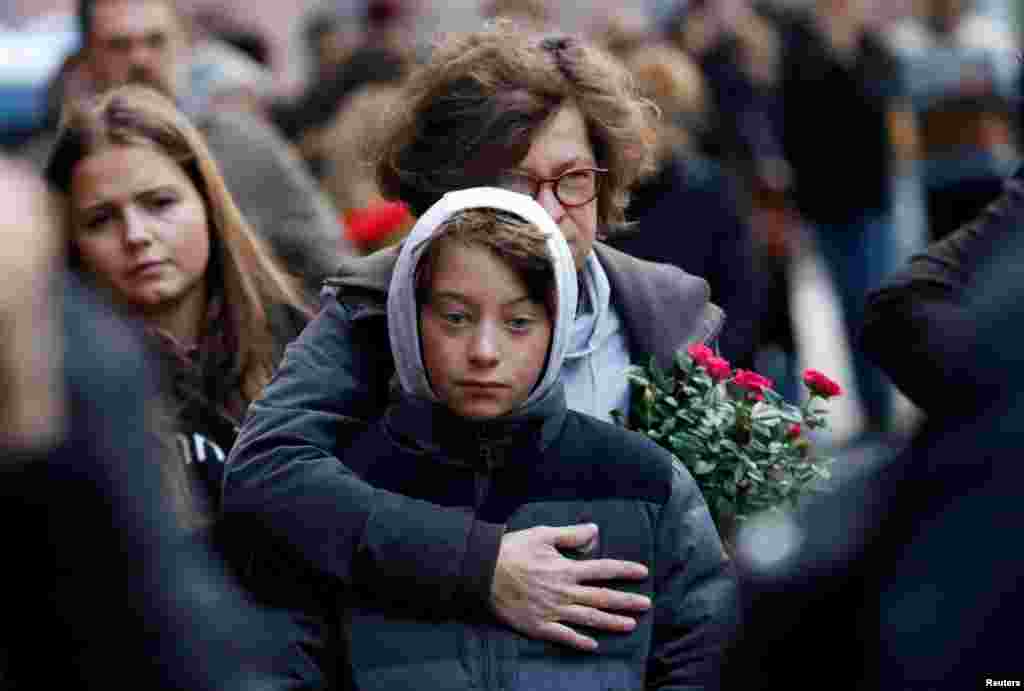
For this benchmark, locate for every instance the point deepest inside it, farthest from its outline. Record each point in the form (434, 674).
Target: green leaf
(685, 441)
(791, 415)
(660, 378)
(703, 468)
(637, 376)
(730, 445)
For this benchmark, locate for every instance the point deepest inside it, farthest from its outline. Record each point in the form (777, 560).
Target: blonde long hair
(242, 270)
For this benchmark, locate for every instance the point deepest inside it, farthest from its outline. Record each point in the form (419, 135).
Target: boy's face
(484, 340)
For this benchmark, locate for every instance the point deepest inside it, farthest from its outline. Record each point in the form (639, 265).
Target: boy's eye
(520, 323)
(455, 318)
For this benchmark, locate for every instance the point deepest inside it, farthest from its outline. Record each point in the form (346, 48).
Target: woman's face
(562, 145)
(484, 340)
(140, 227)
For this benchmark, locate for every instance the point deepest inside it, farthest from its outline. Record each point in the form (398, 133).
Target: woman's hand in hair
(543, 594)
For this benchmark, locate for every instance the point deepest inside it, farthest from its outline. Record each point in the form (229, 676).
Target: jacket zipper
(483, 484)
(483, 475)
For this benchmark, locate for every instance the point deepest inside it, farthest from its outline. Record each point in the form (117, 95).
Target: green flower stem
(710, 396)
(805, 409)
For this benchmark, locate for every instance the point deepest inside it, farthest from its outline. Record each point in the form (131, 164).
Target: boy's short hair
(516, 242)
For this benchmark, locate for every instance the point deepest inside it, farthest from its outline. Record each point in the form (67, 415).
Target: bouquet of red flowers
(744, 445)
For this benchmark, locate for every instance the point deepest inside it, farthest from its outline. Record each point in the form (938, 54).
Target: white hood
(403, 317)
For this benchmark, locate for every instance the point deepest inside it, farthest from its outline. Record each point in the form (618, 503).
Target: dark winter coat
(547, 466)
(102, 589)
(908, 322)
(289, 462)
(202, 399)
(907, 576)
(688, 215)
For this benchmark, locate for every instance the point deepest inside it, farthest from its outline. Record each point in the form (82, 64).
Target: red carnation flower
(701, 354)
(718, 368)
(821, 385)
(753, 382)
(794, 431)
(374, 223)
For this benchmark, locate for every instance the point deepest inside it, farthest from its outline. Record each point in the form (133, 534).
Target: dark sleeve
(108, 581)
(916, 327)
(695, 598)
(306, 608)
(286, 477)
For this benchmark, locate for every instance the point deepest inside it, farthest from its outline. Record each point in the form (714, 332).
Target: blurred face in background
(140, 228)
(137, 41)
(31, 400)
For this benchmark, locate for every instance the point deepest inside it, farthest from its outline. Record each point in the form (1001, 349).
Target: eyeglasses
(572, 188)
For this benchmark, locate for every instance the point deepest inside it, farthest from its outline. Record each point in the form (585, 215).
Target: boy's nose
(484, 350)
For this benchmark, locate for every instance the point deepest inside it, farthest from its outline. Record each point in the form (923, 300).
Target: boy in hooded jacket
(480, 311)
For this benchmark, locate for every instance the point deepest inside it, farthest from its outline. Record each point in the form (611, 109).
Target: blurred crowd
(751, 97)
(853, 133)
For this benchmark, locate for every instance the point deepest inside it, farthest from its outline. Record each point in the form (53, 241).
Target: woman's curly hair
(473, 109)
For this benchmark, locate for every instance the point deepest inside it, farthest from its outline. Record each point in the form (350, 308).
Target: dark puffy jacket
(287, 476)
(552, 467)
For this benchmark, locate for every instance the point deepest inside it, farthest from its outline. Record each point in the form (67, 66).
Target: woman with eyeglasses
(557, 119)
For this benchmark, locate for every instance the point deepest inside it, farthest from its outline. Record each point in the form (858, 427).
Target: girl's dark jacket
(288, 477)
(547, 466)
(202, 399)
